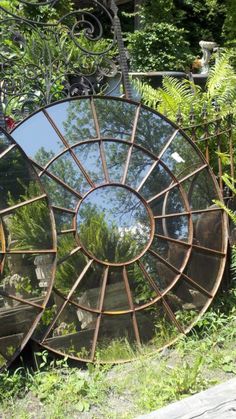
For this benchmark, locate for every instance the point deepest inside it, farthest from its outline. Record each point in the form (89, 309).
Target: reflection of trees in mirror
(65, 170)
(115, 228)
(30, 225)
(68, 271)
(104, 240)
(78, 123)
(16, 178)
(141, 290)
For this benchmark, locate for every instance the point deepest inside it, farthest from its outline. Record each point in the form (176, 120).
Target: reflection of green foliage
(15, 179)
(78, 125)
(10, 350)
(48, 315)
(24, 284)
(105, 241)
(63, 169)
(68, 329)
(66, 271)
(30, 224)
(140, 289)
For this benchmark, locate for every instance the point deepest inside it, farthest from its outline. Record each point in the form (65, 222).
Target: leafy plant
(159, 46)
(185, 96)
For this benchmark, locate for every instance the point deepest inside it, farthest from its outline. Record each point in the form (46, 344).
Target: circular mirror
(113, 225)
(141, 246)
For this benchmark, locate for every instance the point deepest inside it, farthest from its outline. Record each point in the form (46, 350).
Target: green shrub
(159, 46)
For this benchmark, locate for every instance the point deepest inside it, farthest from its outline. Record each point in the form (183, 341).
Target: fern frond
(230, 182)
(178, 89)
(148, 94)
(228, 211)
(219, 76)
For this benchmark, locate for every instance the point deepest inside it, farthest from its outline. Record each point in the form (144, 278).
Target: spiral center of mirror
(113, 224)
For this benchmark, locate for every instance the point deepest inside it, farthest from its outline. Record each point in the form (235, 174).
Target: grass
(205, 357)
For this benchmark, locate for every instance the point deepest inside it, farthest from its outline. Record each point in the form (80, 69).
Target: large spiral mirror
(27, 249)
(141, 245)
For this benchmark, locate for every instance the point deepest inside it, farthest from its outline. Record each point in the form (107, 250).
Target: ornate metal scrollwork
(41, 62)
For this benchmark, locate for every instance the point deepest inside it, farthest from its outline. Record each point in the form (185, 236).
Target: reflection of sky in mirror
(115, 118)
(89, 156)
(36, 133)
(74, 119)
(152, 131)
(181, 157)
(121, 208)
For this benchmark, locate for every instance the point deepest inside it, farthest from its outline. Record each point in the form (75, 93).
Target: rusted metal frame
(198, 287)
(62, 209)
(131, 142)
(104, 163)
(187, 244)
(199, 125)
(72, 252)
(25, 339)
(2, 240)
(3, 154)
(88, 141)
(56, 178)
(147, 175)
(100, 142)
(177, 183)
(168, 264)
(170, 239)
(79, 279)
(171, 139)
(220, 170)
(70, 230)
(62, 307)
(21, 204)
(206, 138)
(179, 214)
(208, 250)
(95, 117)
(110, 312)
(231, 147)
(28, 252)
(166, 306)
(73, 155)
(99, 317)
(132, 308)
(158, 160)
(180, 273)
(20, 300)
